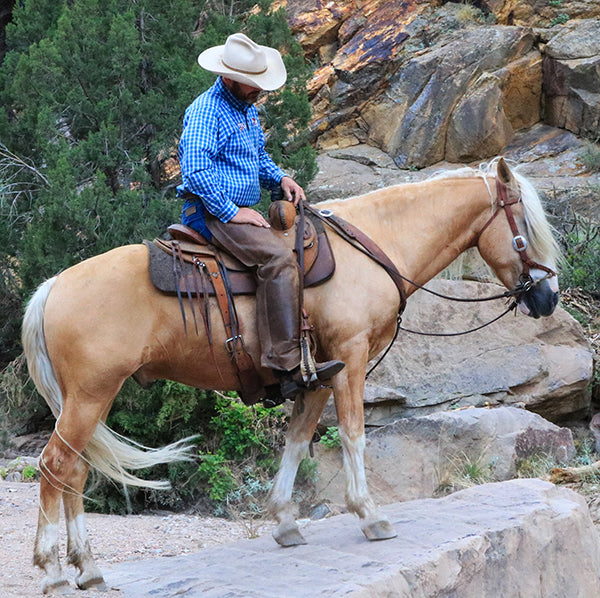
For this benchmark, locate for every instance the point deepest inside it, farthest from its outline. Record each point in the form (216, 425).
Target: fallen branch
(565, 475)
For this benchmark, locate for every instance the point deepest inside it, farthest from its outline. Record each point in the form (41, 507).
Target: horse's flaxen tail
(107, 452)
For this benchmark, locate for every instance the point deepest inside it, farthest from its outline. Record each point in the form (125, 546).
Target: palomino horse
(88, 329)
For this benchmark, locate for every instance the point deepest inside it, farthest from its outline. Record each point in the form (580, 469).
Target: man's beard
(249, 98)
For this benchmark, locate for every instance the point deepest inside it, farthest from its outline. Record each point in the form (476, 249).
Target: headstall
(519, 242)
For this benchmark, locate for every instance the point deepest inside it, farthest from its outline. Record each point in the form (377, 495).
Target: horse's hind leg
(300, 432)
(58, 462)
(78, 547)
(45, 554)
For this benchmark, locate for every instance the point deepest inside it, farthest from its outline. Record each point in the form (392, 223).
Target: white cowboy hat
(240, 59)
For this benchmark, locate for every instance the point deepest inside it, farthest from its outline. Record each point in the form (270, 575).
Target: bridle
(519, 242)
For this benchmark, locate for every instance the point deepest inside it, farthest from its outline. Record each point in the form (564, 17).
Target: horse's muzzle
(540, 300)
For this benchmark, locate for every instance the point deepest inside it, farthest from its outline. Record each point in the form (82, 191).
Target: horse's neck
(422, 227)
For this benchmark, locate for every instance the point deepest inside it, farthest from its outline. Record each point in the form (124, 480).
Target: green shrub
(29, 472)
(464, 471)
(331, 438)
(155, 417)
(20, 404)
(239, 459)
(580, 266)
(561, 19)
(219, 477)
(307, 471)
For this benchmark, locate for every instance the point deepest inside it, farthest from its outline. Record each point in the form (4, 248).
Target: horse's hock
(522, 538)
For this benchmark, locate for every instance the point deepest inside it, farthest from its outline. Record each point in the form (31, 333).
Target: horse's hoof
(379, 530)
(60, 586)
(289, 536)
(95, 581)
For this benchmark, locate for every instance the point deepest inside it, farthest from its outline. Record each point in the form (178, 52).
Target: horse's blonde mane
(539, 233)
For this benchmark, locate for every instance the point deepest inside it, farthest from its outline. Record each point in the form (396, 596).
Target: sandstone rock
(572, 78)
(549, 157)
(478, 125)
(520, 538)
(316, 23)
(426, 83)
(410, 121)
(340, 178)
(541, 13)
(545, 364)
(521, 85)
(419, 457)
(545, 151)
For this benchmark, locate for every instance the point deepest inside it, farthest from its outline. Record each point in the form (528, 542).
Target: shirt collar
(231, 99)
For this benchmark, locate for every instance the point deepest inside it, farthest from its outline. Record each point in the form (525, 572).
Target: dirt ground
(114, 539)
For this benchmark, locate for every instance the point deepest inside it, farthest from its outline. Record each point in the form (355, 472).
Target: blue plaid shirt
(223, 158)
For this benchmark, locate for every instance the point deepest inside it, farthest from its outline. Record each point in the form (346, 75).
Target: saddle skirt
(175, 263)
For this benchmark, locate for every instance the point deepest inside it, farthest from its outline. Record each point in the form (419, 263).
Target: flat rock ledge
(519, 538)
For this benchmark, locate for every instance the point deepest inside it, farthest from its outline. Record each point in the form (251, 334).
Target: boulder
(359, 169)
(428, 83)
(572, 78)
(520, 538)
(421, 457)
(411, 120)
(345, 176)
(315, 23)
(478, 125)
(544, 364)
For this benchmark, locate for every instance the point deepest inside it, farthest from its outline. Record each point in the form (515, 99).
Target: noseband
(519, 242)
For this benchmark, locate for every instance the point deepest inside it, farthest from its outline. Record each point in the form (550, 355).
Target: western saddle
(193, 269)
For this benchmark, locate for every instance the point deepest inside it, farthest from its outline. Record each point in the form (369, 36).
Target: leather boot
(291, 382)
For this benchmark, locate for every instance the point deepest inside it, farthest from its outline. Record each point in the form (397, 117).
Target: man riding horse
(224, 164)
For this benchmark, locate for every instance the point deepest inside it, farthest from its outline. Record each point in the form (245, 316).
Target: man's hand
(250, 216)
(291, 190)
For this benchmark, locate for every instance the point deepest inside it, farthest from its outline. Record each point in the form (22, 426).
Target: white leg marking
(77, 534)
(357, 492)
(47, 540)
(293, 453)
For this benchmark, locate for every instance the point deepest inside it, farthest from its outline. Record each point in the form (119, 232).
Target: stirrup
(292, 382)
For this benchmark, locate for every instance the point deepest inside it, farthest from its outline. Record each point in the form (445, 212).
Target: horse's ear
(504, 174)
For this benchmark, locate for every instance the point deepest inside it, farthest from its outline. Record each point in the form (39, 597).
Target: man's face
(243, 92)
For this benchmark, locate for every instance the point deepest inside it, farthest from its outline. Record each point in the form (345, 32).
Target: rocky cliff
(426, 81)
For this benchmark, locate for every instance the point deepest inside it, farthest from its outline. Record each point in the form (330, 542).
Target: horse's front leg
(348, 394)
(303, 423)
